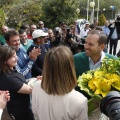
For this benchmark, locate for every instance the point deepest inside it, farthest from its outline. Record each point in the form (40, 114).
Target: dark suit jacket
(111, 32)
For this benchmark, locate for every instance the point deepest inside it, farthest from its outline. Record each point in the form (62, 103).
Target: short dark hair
(24, 26)
(102, 37)
(10, 33)
(21, 31)
(92, 26)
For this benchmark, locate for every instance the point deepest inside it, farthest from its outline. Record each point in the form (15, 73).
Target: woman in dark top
(19, 105)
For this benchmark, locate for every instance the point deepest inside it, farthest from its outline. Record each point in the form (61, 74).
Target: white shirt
(1, 111)
(71, 106)
(84, 32)
(93, 66)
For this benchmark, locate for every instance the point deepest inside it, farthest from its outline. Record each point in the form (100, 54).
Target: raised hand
(34, 53)
(4, 98)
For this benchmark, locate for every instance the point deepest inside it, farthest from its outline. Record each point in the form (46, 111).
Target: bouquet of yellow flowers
(97, 83)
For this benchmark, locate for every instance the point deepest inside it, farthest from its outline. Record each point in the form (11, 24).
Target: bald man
(4, 29)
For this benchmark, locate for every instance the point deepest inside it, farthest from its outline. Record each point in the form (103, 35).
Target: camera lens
(110, 105)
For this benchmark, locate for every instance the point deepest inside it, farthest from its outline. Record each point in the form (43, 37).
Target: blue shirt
(24, 64)
(93, 66)
(106, 30)
(114, 35)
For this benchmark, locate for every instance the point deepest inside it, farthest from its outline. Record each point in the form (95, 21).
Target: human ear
(102, 46)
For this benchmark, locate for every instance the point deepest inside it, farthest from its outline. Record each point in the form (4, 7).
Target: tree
(2, 17)
(59, 10)
(50, 11)
(24, 12)
(101, 20)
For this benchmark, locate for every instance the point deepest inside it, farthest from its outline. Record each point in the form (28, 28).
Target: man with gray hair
(41, 26)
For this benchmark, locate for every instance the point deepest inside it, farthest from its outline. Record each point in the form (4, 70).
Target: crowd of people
(56, 57)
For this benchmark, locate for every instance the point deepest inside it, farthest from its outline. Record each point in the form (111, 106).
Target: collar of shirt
(36, 45)
(93, 66)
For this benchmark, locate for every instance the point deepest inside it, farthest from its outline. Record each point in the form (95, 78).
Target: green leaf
(93, 103)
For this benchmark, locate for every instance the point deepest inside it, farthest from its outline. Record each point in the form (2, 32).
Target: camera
(68, 34)
(83, 39)
(68, 30)
(81, 46)
(57, 37)
(110, 105)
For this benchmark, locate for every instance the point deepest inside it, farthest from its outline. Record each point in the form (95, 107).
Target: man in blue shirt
(106, 29)
(106, 32)
(25, 62)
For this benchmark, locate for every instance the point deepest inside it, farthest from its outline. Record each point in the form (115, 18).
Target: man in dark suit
(113, 38)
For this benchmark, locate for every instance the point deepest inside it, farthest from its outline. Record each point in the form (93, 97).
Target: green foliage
(2, 17)
(50, 11)
(24, 12)
(59, 10)
(93, 103)
(101, 20)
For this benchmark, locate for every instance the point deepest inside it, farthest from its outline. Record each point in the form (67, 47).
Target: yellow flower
(116, 82)
(114, 76)
(103, 79)
(91, 84)
(97, 83)
(86, 76)
(102, 87)
(98, 74)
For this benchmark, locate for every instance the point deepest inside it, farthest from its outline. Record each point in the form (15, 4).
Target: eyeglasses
(40, 24)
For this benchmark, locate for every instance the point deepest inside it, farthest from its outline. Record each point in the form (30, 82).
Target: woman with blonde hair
(54, 98)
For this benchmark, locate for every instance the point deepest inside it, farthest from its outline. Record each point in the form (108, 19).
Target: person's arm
(35, 69)
(109, 26)
(82, 111)
(1, 111)
(29, 61)
(24, 71)
(34, 100)
(3, 100)
(25, 89)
